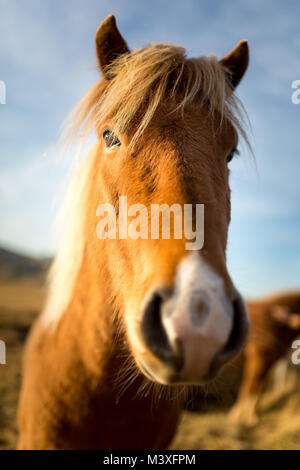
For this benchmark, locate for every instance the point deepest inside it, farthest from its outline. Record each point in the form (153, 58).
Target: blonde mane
(146, 77)
(71, 221)
(139, 83)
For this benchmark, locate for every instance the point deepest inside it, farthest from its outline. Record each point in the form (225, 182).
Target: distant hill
(15, 265)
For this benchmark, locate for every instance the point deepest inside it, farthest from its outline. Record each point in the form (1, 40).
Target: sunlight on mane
(71, 222)
(146, 77)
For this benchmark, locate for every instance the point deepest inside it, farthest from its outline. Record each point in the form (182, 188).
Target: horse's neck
(88, 397)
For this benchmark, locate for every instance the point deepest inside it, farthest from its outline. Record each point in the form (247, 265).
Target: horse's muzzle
(191, 334)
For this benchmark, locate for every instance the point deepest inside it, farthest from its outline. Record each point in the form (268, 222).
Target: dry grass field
(19, 304)
(21, 297)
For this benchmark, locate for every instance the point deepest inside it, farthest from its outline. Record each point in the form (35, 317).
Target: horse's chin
(164, 375)
(153, 376)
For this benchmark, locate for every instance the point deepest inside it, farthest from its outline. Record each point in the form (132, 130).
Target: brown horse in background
(126, 319)
(275, 323)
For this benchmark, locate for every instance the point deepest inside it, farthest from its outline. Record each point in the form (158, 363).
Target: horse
(275, 323)
(130, 323)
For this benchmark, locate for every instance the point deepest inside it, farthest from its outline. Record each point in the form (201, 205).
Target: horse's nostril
(238, 334)
(154, 334)
(190, 337)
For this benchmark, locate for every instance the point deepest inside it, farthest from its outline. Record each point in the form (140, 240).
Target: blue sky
(47, 61)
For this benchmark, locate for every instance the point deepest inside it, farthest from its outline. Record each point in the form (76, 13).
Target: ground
(279, 428)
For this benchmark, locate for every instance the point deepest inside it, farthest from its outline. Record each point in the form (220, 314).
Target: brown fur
(274, 325)
(177, 123)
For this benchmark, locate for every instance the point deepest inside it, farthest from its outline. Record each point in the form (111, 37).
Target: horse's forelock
(144, 79)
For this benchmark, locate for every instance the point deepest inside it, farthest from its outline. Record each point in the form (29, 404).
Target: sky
(48, 61)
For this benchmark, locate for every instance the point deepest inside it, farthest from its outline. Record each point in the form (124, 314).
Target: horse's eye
(231, 155)
(111, 139)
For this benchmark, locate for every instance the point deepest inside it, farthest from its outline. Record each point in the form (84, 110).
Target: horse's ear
(282, 314)
(294, 321)
(109, 43)
(236, 62)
